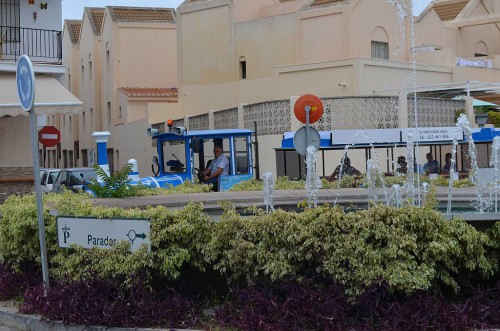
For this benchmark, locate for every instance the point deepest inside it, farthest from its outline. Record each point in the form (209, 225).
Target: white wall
(47, 19)
(15, 145)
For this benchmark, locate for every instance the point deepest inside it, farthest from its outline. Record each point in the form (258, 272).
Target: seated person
(218, 167)
(347, 169)
(402, 165)
(417, 168)
(447, 163)
(432, 166)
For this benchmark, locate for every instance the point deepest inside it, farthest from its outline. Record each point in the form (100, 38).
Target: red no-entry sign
(49, 136)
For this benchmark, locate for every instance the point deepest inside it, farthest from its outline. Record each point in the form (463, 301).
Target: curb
(11, 319)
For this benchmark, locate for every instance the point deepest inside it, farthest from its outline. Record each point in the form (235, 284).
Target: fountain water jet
(371, 180)
(410, 173)
(482, 204)
(452, 169)
(339, 176)
(374, 165)
(495, 162)
(313, 182)
(396, 196)
(426, 188)
(268, 191)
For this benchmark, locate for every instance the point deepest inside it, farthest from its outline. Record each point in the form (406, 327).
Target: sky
(73, 9)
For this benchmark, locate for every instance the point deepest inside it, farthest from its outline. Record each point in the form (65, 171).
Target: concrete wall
(146, 53)
(130, 137)
(161, 112)
(15, 145)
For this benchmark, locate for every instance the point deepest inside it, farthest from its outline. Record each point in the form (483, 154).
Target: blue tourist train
(183, 155)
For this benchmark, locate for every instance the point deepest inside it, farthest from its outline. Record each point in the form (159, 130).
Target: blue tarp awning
(483, 135)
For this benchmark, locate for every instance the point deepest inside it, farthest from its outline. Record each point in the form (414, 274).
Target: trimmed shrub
(408, 248)
(177, 238)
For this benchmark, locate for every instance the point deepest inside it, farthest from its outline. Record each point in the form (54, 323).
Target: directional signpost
(308, 109)
(91, 232)
(300, 142)
(25, 81)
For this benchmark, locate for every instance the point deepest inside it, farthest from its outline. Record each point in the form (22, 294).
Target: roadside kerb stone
(13, 320)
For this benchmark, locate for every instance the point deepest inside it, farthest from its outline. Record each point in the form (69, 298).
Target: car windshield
(75, 178)
(52, 177)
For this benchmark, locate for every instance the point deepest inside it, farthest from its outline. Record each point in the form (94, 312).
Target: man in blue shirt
(218, 167)
(432, 166)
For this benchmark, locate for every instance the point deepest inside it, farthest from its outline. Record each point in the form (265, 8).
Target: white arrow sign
(93, 232)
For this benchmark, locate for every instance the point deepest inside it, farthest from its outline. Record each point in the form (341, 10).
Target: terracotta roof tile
(317, 3)
(133, 14)
(74, 27)
(449, 10)
(149, 92)
(97, 17)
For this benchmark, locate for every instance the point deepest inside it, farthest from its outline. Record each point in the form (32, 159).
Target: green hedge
(409, 248)
(178, 237)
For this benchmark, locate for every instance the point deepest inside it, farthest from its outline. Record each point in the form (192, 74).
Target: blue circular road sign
(25, 79)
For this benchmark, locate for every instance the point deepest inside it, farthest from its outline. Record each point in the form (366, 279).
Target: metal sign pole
(25, 81)
(38, 192)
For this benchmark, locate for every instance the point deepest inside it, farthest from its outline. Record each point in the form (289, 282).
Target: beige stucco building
(124, 61)
(268, 52)
(35, 33)
(241, 63)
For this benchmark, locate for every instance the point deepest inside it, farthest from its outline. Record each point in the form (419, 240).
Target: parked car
(47, 179)
(74, 179)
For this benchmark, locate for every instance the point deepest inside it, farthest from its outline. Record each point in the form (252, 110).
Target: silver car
(74, 179)
(47, 179)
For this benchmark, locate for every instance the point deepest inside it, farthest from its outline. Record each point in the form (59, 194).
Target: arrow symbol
(23, 72)
(132, 236)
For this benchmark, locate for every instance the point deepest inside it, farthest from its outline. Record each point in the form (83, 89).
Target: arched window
(380, 44)
(90, 68)
(82, 71)
(108, 60)
(480, 49)
(243, 68)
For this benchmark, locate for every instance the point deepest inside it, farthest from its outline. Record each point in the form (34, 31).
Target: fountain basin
(351, 198)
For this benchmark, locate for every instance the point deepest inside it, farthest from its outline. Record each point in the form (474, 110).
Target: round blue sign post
(25, 80)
